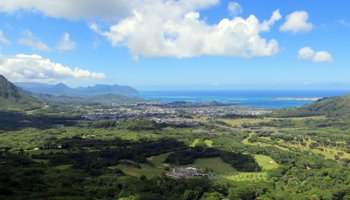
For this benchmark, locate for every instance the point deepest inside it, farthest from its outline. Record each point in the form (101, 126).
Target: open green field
(155, 168)
(246, 142)
(239, 123)
(63, 167)
(328, 152)
(266, 162)
(215, 165)
(145, 169)
(247, 176)
(158, 161)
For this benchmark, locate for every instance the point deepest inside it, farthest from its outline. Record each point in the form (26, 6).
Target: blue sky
(181, 44)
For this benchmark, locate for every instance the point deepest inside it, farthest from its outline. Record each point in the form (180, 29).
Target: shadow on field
(12, 121)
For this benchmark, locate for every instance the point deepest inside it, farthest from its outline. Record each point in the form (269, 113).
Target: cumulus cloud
(3, 39)
(160, 27)
(66, 44)
(234, 8)
(2, 59)
(175, 28)
(308, 54)
(21, 68)
(297, 23)
(72, 9)
(33, 42)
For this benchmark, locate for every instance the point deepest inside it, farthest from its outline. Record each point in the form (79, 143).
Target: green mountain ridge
(330, 106)
(13, 98)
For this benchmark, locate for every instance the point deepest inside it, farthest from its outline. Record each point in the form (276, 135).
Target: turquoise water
(260, 99)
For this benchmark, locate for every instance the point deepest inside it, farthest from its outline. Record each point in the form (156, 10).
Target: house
(185, 173)
(58, 126)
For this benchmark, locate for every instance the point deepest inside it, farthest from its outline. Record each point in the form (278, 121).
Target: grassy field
(327, 152)
(247, 176)
(63, 167)
(158, 161)
(266, 162)
(246, 142)
(237, 123)
(145, 169)
(215, 165)
(149, 170)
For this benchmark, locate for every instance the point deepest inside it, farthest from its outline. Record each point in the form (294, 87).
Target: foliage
(239, 161)
(137, 124)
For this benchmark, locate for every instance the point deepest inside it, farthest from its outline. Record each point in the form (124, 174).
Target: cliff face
(7, 89)
(13, 98)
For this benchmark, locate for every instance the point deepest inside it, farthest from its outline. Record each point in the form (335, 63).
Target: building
(185, 173)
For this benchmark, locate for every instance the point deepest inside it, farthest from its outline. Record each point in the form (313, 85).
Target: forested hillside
(334, 107)
(12, 98)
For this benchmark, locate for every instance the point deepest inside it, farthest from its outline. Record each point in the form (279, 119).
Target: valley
(130, 150)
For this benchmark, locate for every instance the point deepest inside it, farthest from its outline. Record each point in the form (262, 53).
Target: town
(177, 113)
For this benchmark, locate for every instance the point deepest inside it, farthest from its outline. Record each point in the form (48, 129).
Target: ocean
(258, 99)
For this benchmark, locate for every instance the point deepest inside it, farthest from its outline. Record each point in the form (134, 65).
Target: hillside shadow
(13, 121)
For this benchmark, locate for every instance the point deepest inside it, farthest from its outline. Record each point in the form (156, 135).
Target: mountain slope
(331, 107)
(62, 89)
(8, 90)
(12, 98)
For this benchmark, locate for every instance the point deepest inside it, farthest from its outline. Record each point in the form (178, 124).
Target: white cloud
(3, 39)
(159, 27)
(66, 44)
(234, 8)
(174, 28)
(308, 54)
(297, 23)
(344, 22)
(2, 59)
(72, 9)
(21, 68)
(265, 26)
(33, 42)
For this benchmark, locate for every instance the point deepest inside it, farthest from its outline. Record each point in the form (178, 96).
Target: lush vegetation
(14, 99)
(333, 107)
(53, 153)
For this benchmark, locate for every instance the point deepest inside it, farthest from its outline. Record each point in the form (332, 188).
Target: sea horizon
(274, 99)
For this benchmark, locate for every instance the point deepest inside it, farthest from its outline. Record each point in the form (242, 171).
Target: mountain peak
(7, 89)
(12, 97)
(61, 86)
